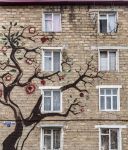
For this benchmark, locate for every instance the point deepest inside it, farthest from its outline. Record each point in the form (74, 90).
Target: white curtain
(56, 23)
(56, 59)
(112, 60)
(47, 61)
(56, 139)
(111, 23)
(103, 61)
(48, 22)
(47, 100)
(56, 100)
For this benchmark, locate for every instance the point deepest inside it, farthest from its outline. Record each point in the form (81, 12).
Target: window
(52, 22)
(51, 139)
(107, 22)
(109, 139)
(108, 60)
(51, 60)
(51, 100)
(109, 98)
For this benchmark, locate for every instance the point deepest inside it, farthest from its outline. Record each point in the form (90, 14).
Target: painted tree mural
(17, 49)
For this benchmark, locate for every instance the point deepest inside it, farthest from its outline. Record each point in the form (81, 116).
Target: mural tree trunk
(15, 49)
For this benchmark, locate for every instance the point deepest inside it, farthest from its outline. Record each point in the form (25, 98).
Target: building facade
(81, 30)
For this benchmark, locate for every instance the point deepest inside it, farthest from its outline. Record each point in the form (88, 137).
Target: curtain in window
(102, 102)
(48, 22)
(47, 142)
(104, 142)
(47, 100)
(56, 139)
(114, 139)
(47, 103)
(56, 100)
(56, 23)
(103, 60)
(47, 61)
(115, 102)
(111, 23)
(112, 60)
(56, 59)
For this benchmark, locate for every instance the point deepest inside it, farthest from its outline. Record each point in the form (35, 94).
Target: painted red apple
(29, 61)
(43, 82)
(30, 88)
(44, 39)
(8, 77)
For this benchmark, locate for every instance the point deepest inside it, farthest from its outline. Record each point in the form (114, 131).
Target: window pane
(56, 23)
(48, 26)
(47, 93)
(103, 60)
(46, 131)
(56, 139)
(103, 26)
(47, 53)
(105, 131)
(104, 142)
(112, 60)
(56, 59)
(108, 102)
(108, 91)
(103, 16)
(102, 102)
(56, 100)
(47, 142)
(111, 23)
(102, 91)
(114, 139)
(48, 16)
(47, 63)
(114, 91)
(115, 102)
(47, 103)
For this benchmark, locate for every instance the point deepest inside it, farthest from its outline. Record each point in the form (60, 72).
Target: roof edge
(65, 2)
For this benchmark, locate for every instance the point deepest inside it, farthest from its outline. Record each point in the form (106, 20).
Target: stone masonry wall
(80, 35)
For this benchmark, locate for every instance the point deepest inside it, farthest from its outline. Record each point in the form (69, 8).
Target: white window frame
(120, 127)
(43, 22)
(51, 127)
(117, 59)
(107, 14)
(118, 96)
(52, 49)
(51, 88)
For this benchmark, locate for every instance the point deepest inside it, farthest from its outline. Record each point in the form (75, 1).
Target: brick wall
(79, 34)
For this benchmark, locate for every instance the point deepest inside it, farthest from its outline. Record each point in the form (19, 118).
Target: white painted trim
(106, 10)
(111, 126)
(117, 59)
(41, 139)
(49, 87)
(118, 97)
(124, 47)
(43, 21)
(53, 126)
(119, 127)
(53, 48)
(52, 88)
(108, 86)
(50, 125)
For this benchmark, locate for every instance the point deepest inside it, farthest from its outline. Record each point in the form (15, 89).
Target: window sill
(109, 110)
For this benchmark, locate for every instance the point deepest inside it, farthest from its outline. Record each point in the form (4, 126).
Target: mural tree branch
(15, 49)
